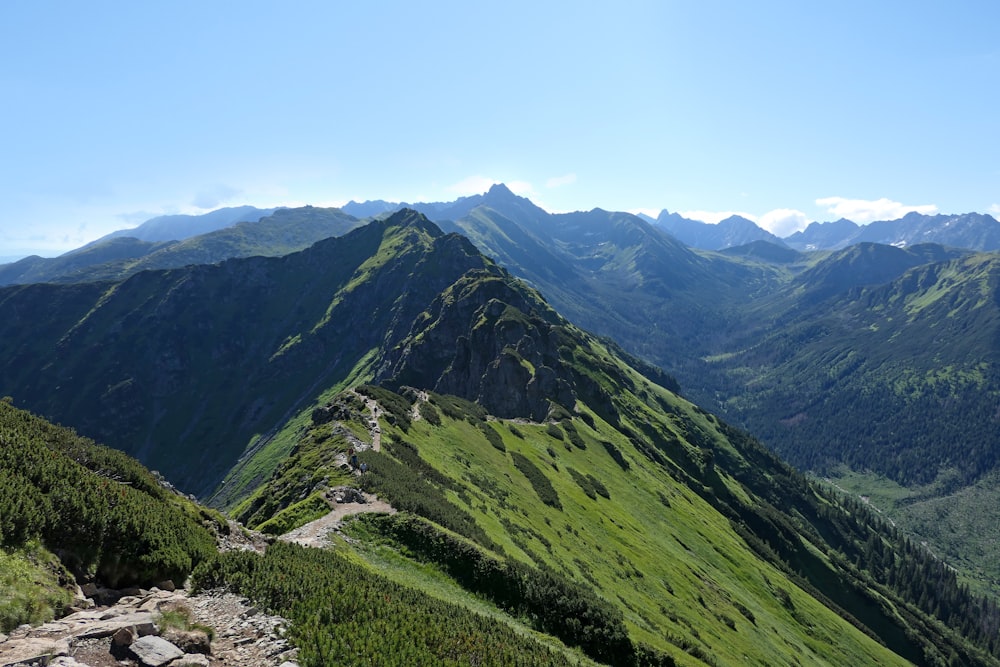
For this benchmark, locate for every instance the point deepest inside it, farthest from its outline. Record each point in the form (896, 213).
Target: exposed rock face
(490, 340)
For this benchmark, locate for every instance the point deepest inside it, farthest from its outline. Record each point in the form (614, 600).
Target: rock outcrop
(490, 340)
(129, 633)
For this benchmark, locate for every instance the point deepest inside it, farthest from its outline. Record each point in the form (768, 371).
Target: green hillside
(552, 488)
(879, 358)
(619, 494)
(105, 516)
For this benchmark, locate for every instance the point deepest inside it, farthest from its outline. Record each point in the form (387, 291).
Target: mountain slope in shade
(183, 368)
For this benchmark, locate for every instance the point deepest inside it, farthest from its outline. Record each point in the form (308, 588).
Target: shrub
(492, 436)
(539, 482)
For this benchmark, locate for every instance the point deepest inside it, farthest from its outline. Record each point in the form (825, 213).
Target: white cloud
(520, 188)
(865, 210)
(783, 222)
(215, 196)
(558, 181)
(473, 185)
(995, 209)
(715, 217)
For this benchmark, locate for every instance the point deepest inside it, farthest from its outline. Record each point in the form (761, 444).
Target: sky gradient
(784, 112)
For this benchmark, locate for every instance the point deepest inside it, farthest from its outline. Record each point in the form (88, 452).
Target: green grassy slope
(648, 537)
(705, 544)
(106, 517)
(882, 358)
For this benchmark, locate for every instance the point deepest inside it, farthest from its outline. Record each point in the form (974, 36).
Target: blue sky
(786, 112)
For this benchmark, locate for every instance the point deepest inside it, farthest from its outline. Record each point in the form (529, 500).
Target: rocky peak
(489, 339)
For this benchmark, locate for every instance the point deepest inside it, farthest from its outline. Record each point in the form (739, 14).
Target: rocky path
(374, 428)
(316, 533)
(128, 633)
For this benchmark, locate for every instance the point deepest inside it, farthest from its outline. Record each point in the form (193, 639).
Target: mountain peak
(737, 220)
(499, 190)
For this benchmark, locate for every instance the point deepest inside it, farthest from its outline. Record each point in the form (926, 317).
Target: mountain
(733, 231)
(905, 366)
(184, 368)
(369, 209)
(616, 274)
(972, 231)
(439, 211)
(755, 335)
(866, 264)
(180, 227)
(529, 450)
(281, 232)
(115, 251)
(547, 481)
(824, 236)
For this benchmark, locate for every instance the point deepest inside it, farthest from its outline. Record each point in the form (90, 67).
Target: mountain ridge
(566, 471)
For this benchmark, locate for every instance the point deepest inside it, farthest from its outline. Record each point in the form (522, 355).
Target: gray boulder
(154, 651)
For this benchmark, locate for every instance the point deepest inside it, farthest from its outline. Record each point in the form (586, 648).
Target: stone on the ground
(34, 650)
(154, 651)
(191, 660)
(189, 641)
(167, 585)
(123, 637)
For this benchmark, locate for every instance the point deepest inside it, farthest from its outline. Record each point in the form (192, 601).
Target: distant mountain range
(973, 231)
(117, 256)
(181, 226)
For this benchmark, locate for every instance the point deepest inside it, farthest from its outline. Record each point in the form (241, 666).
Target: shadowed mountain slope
(183, 368)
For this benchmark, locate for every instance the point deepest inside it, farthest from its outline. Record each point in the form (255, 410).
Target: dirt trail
(315, 533)
(373, 428)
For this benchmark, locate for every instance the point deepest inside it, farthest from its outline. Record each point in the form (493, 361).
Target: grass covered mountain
(116, 257)
(186, 368)
(541, 472)
(829, 357)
